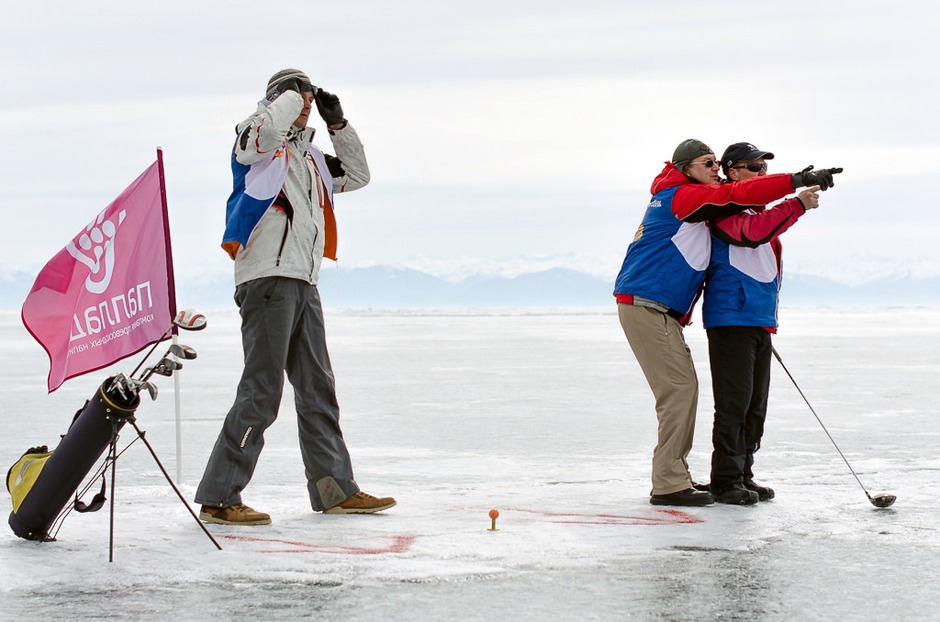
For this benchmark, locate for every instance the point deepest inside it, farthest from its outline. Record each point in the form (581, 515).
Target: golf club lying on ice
(879, 501)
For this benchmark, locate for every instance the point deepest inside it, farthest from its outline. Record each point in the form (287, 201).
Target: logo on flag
(97, 240)
(110, 292)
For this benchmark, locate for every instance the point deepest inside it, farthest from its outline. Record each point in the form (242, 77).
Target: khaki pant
(664, 357)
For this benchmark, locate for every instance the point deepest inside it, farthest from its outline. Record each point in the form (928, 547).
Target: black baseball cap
(742, 152)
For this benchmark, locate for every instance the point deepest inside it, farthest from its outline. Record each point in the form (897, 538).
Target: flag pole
(171, 278)
(171, 288)
(179, 425)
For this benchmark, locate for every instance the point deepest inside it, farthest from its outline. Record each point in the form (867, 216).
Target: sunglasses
(754, 167)
(707, 163)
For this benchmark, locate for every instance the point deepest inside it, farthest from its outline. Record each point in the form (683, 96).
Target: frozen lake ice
(542, 414)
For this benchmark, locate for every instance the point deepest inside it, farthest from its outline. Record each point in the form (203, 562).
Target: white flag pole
(179, 425)
(176, 376)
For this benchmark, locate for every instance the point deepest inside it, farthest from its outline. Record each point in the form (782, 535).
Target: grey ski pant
(282, 330)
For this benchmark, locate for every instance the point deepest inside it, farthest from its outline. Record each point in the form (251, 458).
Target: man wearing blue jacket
(739, 311)
(660, 281)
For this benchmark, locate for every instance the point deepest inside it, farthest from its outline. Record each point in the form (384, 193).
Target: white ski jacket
(289, 240)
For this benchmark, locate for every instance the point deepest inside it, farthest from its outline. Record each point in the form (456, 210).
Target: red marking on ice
(399, 544)
(659, 517)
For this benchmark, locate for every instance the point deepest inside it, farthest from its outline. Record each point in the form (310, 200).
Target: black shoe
(736, 494)
(763, 492)
(687, 497)
(702, 487)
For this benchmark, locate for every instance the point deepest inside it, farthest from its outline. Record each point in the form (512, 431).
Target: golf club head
(114, 382)
(170, 364)
(883, 501)
(190, 319)
(182, 352)
(151, 389)
(160, 370)
(123, 387)
(143, 384)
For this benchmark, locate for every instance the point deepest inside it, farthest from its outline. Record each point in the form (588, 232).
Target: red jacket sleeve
(701, 202)
(753, 229)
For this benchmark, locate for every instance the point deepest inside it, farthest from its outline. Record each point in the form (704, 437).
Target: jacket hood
(670, 176)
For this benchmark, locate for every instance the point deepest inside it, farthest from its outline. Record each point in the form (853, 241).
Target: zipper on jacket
(314, 174)
(280, 250)
(282, 202)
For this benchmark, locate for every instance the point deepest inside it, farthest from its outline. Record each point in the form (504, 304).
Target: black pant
(740, 368)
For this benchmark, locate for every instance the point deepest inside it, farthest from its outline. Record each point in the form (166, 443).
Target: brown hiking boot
(361, 503)
(238, 514)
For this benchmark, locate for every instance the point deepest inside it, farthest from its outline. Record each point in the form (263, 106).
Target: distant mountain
(800, 289)
(381, 286)
(389, 287)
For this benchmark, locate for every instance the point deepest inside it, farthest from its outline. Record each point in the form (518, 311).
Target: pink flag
(110, 292)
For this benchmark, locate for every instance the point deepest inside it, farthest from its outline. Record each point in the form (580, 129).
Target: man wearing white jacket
(279, 226)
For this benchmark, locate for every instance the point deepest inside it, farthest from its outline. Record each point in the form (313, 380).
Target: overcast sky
(499, 134)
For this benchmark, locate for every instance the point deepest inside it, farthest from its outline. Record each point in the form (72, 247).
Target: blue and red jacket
(671, 250)
(742, 282)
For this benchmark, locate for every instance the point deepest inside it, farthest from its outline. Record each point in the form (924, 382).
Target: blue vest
(741, 286)
(667, 259)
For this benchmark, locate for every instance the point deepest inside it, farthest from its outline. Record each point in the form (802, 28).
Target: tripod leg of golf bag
(87, 438)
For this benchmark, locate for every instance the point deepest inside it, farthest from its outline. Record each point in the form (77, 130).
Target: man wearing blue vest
(660, 282)
(739, 311)
(279, 226)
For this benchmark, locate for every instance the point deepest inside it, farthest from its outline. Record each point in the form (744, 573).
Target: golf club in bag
(52, 478)
(879, 501)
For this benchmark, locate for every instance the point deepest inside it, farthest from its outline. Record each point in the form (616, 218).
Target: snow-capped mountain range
(559, 281)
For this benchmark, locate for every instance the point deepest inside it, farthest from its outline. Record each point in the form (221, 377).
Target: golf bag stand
(91, 432)
(94, 429)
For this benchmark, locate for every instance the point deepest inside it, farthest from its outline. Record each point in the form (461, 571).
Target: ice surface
(541, 414)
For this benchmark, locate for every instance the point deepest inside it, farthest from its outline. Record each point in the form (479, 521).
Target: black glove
(290, 84)
(329, 108)
(809, 177)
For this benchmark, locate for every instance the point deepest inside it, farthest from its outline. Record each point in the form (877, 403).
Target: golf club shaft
(812, 410)
(185, 320)
(147, 356)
